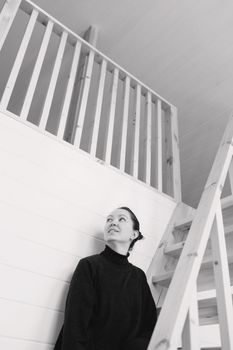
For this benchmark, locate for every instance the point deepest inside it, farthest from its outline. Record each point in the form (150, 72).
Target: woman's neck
(120, 249)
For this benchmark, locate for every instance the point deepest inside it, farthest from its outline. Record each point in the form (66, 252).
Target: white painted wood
(69, 90)
(148, 137)
(7, 15)
(21, 344)
(111, 116)
(98, 108)
(169, 326)
(159, 169)
(190, 335)
(23, 254)
(18, 60)
(137, 131)
(53, 81)
(222, 280)
(125, 123)
(36, 71)
(175, 155)
(36, 324)
(52, 212)
(85, 93)
(231, 176)
(32, 289)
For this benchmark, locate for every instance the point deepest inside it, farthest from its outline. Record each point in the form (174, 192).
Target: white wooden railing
(179, 310)
(54, 79)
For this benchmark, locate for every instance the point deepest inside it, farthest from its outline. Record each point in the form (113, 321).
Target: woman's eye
(122, 219)
(109, 220)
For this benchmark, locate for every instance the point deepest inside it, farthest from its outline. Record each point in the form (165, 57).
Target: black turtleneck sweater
(109, 306)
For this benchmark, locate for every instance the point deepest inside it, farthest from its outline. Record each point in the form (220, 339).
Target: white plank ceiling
(183, 49)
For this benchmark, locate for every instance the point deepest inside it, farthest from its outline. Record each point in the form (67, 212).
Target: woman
(109, 304)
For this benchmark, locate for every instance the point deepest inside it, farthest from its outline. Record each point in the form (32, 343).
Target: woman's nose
(114, 221)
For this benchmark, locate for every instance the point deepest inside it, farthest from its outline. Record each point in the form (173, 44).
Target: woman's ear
(135, 234)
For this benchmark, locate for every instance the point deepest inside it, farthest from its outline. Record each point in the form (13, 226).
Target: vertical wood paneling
(19, 59)
(53, 81)
(137, 131)
(7, 15)
(148, 138)
(125, 123)
(175, 155)
(36, 71)
(69, 90)
(112, 116)
(159, 168)
(190, 335)
(222, 281)
(85, 93)
(98, 107)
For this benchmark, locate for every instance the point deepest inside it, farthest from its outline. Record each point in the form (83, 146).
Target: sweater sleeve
(79, 308)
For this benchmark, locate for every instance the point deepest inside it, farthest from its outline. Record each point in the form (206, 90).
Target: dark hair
(136, 226)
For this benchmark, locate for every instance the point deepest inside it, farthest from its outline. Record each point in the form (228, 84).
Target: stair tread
(226, 202)
(175, 249)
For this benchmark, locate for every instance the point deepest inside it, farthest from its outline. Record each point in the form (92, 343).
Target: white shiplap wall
(53, 204)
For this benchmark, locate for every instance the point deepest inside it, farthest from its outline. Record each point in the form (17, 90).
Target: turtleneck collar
(115, 257)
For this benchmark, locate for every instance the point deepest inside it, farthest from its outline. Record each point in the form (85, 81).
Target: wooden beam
(137, 131)
(175, 156)
(167, 332)
(190, 335)
(18, 60)
(125, 123)
(112, 116)
(99, 102)
(167, 155)
(89, 36)
(36, 72)
(159, 163)
(53, 82)
(222, 281)
(84, 98)
(69, 90)
(148, 137)
(7, 15)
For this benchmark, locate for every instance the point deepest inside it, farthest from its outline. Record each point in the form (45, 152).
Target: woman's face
(119, 227)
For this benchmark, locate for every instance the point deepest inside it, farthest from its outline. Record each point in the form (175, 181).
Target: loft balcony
(55, 80)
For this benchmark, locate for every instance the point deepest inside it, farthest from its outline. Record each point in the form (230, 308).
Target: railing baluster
(222, 281)
(148, 138)
(137, 131)
(172, 158)
(83, 106)
(98, 108)
(190, 335)
(175, 156)
(53, 81)
(18, 60)
(36, 71)
(159, 169)
(7, 16)
(69, 90)
(125, 123)
(111, 116)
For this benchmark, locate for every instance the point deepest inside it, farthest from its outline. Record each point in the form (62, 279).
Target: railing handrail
(93, 48)
(168, 330)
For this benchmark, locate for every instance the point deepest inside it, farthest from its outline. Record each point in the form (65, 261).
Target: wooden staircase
(191, 275)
